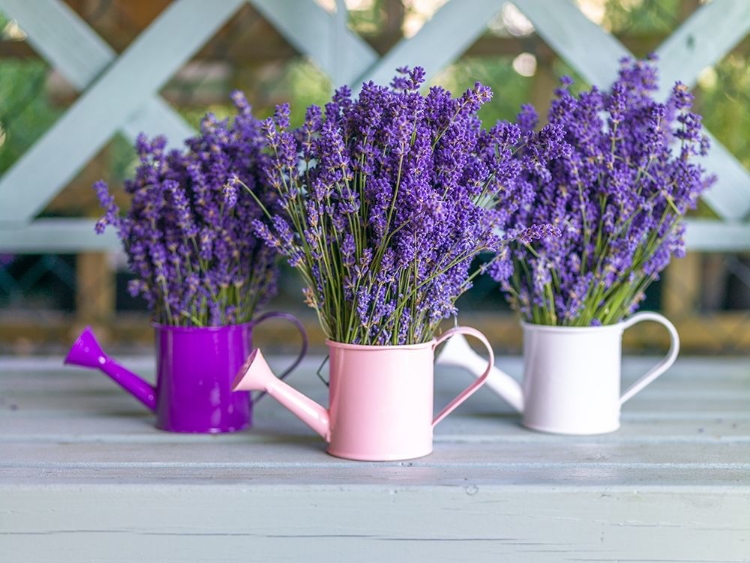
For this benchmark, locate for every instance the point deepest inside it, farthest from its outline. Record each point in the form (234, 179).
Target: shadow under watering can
(380, 397)
(194, 368)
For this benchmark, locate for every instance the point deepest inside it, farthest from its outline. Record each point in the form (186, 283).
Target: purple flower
(189, 231)
(616, 193)
(385, 199)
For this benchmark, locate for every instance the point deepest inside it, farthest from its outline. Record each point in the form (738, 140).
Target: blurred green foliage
(25, 113)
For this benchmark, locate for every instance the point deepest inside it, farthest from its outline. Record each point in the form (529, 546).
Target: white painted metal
(594, 54)
(571, 375)
(83, 470)
(122, 89)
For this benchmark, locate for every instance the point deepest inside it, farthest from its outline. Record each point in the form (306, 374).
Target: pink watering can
(194, 367)
(380, 397)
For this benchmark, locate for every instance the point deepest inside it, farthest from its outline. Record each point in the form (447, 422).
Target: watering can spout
(256, 375)
(87, 352)
(458, 353)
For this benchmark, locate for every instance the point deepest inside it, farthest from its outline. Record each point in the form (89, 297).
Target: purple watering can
(195, 367)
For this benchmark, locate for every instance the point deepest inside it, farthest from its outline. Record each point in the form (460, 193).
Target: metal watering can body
(380, 397)
(571, 375)
(194, 369)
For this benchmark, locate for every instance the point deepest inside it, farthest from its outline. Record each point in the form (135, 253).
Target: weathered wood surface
(84, 476)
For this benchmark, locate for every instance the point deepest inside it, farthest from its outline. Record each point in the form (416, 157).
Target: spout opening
(237, 382)
(85, 351)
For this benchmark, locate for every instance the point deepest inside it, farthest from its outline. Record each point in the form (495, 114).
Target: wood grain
(85, 476)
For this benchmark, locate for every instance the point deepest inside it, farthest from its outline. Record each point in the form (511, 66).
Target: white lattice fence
(121, 92)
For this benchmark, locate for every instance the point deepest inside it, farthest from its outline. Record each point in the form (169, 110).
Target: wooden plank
(683, 404)
(726, 332)
(706, 37)
(439, 42)
(476, 428)
(305, 23)
(63, 38)
(571, 35)
(682, 286)
(67, 42)
(122, 89)
(481, 460)
(729, 197)
(649, 406)
(694, 46)
(706, 235)
(464, 521)
(635, 477)
(658, 490)
(585, 46)
(56, 236)
(339, 51)
(95, 288)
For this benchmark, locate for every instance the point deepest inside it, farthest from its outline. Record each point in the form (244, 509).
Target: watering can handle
(469, 391)
(662, 366)
(296, 322)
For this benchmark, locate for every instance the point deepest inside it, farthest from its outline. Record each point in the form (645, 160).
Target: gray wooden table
(85, 477)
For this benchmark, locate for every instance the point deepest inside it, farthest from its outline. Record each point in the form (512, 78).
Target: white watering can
(571, 379)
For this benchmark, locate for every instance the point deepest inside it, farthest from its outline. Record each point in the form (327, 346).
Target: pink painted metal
(194, 368)
(380, 397)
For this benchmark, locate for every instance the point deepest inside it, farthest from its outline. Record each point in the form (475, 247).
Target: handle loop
(664, 364)
(471, 389)
(303, 333)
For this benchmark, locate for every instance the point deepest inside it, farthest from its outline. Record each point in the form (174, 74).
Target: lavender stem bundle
(188, 232)
(384, 201)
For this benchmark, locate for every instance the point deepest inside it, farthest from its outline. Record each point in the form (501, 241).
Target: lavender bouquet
(384, 201)
(618, 197)
(188, 232)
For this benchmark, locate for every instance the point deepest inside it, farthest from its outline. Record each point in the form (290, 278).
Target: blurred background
(46, 298)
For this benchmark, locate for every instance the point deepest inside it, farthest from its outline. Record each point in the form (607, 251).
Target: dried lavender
(188, 232)
(384, 201)
(618, 198)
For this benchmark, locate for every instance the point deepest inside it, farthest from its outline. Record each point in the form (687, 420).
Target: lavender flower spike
(617, 195)
(189, 232)
(384, 200)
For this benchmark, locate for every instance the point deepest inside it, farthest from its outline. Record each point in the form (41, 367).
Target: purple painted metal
(195, 367)
(87, 352)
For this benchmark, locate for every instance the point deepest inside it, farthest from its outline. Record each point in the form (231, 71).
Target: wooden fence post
(682, 286)
(95, 289)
